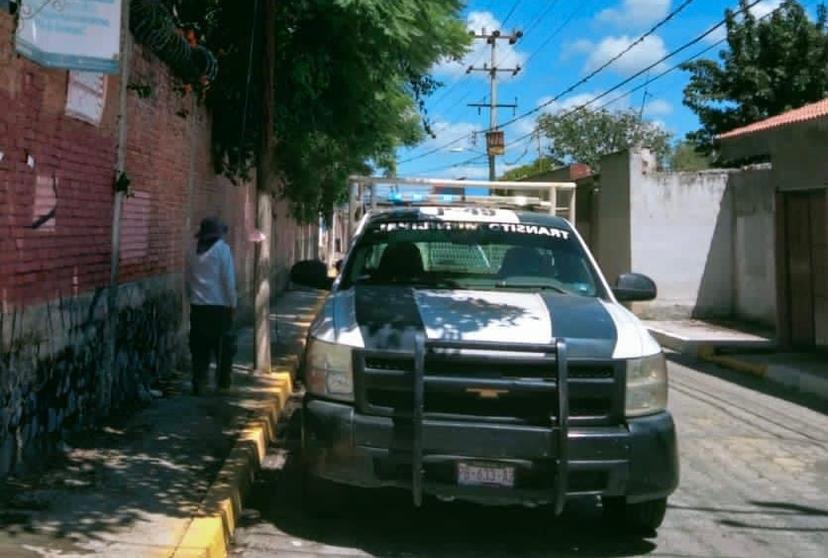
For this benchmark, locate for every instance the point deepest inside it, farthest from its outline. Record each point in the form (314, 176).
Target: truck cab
(475, 351)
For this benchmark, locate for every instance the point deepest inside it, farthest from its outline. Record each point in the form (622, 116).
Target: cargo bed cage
(415, 382)
(364, 196)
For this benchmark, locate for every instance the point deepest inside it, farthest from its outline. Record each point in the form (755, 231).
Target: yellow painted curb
(210, 531)
(734, 363)
(213, 526)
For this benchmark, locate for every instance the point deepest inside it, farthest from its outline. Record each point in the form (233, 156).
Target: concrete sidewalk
(132, 488)
(745, 350)
(692, 337)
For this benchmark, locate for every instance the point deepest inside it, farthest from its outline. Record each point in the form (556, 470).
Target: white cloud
(527, 125)
(658, 107)
(448, 131)
(760, 10)
(522, 127)
(581, 46)
(634, 13)
(719, 34)
(649, 51)
(765, 7)
(507, 55)
(574, 101)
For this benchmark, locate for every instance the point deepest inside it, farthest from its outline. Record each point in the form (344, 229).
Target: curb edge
(213, 526)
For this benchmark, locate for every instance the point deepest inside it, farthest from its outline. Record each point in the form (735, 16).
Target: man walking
(211, 284)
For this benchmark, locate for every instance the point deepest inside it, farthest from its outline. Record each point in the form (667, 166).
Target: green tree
(584, 136)
(352, 77)
(535, 167)
(686, 157)
(769, 66)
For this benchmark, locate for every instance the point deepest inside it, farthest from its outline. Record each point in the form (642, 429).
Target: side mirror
(631, 287)
(311, 273)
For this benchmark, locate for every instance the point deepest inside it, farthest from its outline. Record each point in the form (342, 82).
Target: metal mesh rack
(365, 196)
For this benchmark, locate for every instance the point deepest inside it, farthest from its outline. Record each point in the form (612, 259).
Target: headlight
(646, 385)
(329, 370)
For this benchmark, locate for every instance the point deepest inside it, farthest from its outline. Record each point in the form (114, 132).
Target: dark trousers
(211, 336)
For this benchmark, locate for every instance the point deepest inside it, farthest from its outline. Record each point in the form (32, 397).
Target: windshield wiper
(430, 283)
(544, 287)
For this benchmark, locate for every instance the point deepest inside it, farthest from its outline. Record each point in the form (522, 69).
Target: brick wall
(50, 162)
(56, 204)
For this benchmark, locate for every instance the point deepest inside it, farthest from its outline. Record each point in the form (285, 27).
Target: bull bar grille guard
(554, 354)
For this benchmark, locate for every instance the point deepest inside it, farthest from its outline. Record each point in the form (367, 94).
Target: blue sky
(563, 40)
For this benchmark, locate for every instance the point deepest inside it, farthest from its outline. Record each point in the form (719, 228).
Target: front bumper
(638, 460)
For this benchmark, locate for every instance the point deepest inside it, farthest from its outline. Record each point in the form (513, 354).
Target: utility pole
(643, 105)
(264, 192)
(494, 138)
(107, 376)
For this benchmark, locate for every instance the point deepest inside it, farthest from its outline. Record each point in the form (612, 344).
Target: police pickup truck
(477, 353)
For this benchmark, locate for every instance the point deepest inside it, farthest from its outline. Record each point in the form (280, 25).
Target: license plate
(485, 474)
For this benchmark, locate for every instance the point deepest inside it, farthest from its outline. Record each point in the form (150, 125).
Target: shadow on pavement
(124, 476)
(130, 487)
(750, 382)
(385, 523)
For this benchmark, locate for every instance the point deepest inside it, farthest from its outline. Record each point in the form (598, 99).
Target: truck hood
(389, 317)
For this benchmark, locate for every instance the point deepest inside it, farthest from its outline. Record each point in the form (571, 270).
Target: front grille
(385, 387)
(483, 366)
(530, 410)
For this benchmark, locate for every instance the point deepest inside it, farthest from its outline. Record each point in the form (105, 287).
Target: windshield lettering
(517, 228)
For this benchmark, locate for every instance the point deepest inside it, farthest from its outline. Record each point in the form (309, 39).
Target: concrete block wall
(706, 238)
(681, 236)
(754, 245)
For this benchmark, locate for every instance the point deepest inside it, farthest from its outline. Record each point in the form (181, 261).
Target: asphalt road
(754, 484)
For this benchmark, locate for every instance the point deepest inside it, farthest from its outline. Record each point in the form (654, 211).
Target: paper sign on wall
(86, 96)
(71, 34)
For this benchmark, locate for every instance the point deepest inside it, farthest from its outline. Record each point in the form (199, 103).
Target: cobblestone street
(754, 471)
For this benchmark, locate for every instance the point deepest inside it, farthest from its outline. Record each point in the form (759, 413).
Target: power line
(589, 76)
(540, 16)
(459, 100)
(451, 166)
(592, 74)
(477, 60)
(557, 31)
(492, 69)
(638, 74)
(606, 104)
(457, 80)
(629, 47)
(617, 98)
(512, 11)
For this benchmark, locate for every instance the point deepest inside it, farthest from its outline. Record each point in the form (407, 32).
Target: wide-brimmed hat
(210, 228)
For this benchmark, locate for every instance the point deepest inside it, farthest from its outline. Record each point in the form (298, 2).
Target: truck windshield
(472, 255)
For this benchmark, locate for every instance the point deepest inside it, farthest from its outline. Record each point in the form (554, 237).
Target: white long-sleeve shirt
(211, 277)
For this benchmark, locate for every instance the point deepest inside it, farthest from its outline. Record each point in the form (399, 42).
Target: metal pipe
(108, 371)
(462, 184)
(562, 463)
(417, 420)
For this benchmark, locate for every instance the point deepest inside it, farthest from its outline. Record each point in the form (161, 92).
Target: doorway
(803, 260)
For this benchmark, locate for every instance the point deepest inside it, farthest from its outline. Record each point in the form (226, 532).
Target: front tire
(642, 518)
(322, 498)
